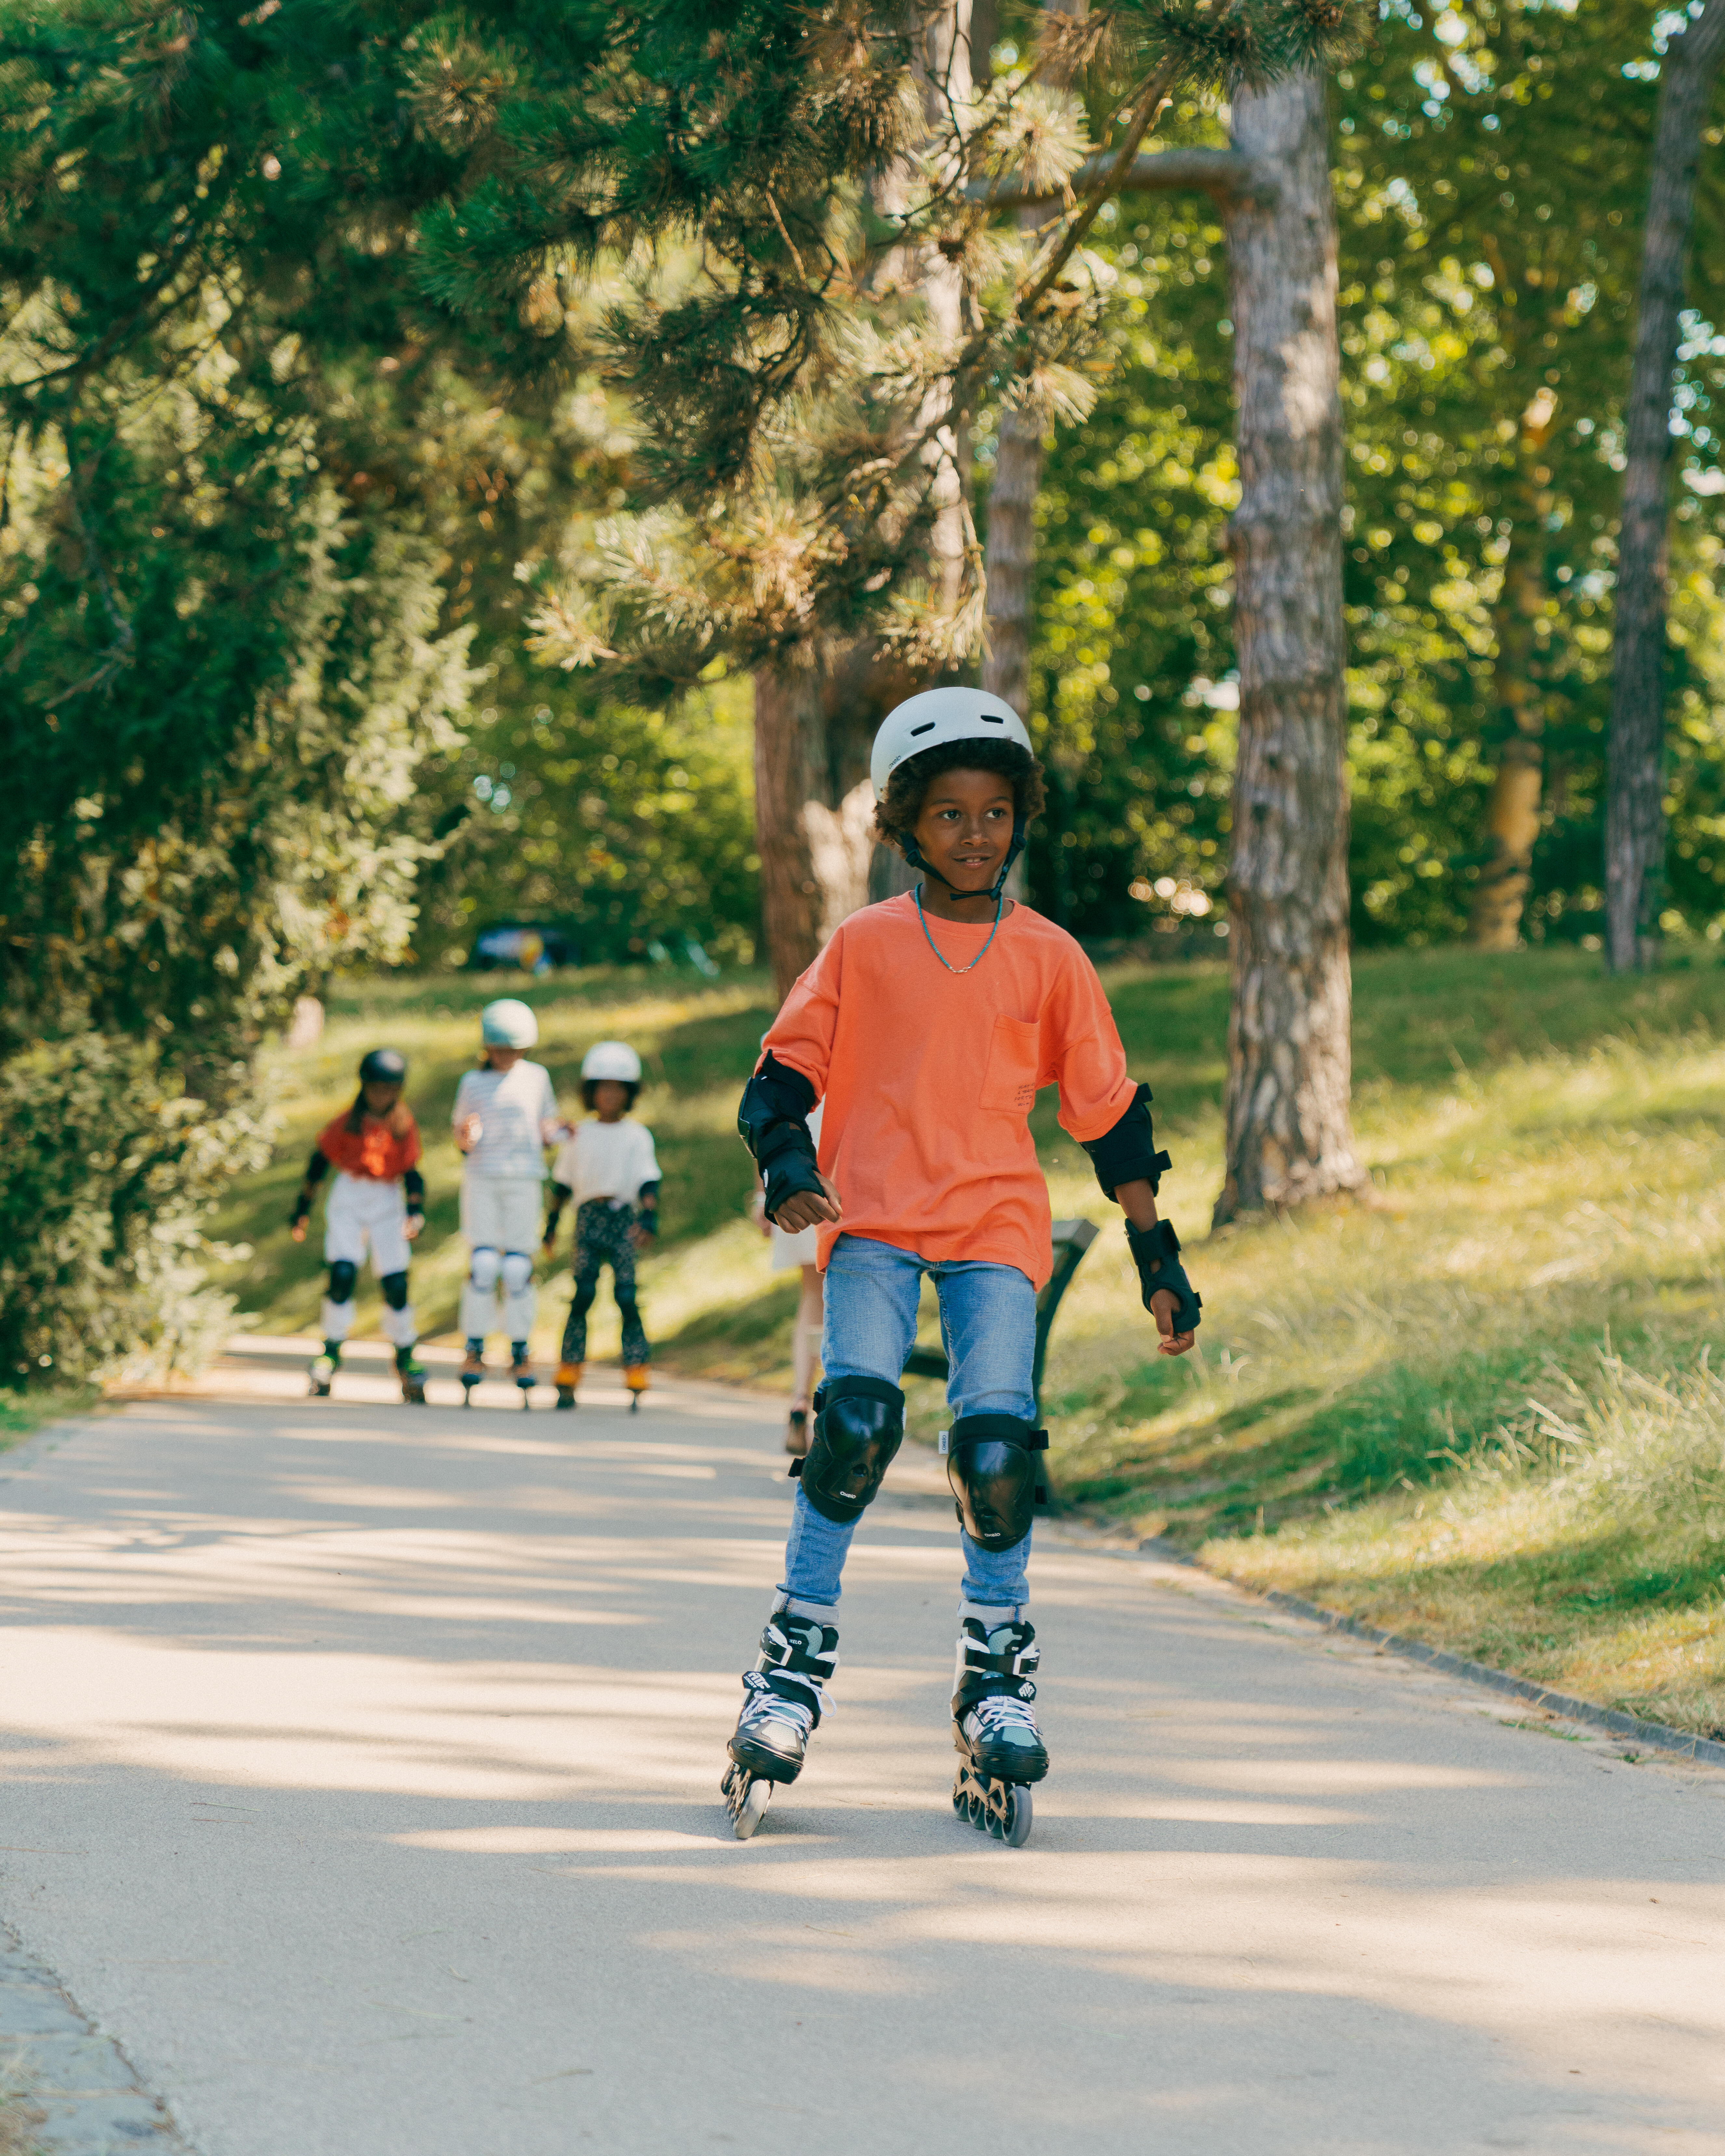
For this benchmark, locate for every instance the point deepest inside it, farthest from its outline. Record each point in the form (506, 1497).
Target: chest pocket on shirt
(1009, 1081)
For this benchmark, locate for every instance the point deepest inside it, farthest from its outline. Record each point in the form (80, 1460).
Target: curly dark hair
(632, 1092)
(897, 812)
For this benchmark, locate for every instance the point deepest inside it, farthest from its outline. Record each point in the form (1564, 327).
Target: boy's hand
(298, 1230)
(411, 1226)
(469, 1131)
(809, 1209)
(1163, 1305)
(642, 1237)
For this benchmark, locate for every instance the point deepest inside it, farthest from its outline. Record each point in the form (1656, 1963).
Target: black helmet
(384, 1066)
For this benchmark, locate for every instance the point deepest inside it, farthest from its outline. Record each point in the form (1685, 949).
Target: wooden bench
(1071, 1239)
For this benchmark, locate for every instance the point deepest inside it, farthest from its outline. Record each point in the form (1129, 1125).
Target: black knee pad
(395, 1290)
(858, 1426)
(991, 1465)
(586, 1294)
(342, 1278)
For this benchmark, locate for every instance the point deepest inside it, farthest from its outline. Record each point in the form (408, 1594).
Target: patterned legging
(602, 1238)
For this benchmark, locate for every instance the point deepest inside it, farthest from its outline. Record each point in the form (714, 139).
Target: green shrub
(107, 1173)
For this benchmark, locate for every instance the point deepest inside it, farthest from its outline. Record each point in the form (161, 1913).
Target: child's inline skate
(995, 1730)
(784, 1699)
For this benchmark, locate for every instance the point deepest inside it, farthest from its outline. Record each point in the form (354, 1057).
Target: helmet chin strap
(914, 859)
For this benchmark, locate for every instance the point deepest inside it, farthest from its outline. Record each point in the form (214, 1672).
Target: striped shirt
(514, 1108)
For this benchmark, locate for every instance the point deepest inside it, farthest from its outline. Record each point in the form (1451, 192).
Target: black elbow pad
(773, 1123)
(1127, 1153)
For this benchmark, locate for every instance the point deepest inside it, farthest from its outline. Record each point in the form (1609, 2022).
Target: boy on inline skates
(504, 1116)
(608, 1167)
(925, 1027)
(376, 1202)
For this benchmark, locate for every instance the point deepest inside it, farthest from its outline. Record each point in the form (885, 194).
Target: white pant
(364, 1214)
(500, 1217)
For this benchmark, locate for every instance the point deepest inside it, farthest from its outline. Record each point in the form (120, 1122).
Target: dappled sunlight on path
(363, 1771)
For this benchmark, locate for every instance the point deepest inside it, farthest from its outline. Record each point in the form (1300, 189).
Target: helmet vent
(992, 719)
(927, 726)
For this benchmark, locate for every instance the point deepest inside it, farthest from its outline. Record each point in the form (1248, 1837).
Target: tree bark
(1289, 1133)
(1010, 560)
(1634, 798)
(815, 717)
(787, 715)
(816, 712)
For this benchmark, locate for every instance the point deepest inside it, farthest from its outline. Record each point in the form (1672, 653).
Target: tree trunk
(1011, 556)
(1500, 897)
(1634, 798)
(1290, 1133)
(787, 716)
(816, 712)
(815, 715)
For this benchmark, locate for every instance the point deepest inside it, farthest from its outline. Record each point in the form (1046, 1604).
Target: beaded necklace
(999, 905)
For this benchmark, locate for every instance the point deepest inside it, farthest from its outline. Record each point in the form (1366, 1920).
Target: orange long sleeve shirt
(929, 1077)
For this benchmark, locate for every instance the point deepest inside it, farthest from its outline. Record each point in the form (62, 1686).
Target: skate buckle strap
(793, 1697)
(789, 1652)
(1016, 1662)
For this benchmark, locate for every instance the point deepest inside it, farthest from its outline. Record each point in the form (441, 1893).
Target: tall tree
(1634, 816)
(1289, 1124)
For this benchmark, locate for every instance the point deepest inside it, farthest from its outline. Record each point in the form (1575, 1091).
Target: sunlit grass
(1546, 1149)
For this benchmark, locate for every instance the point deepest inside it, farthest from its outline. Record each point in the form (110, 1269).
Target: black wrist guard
(302, 1209)
(1156, 1251)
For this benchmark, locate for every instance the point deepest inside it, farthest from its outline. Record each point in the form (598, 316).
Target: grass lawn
(1480, 1409)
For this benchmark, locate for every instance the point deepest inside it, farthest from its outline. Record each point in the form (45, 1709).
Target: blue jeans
(989, 1327)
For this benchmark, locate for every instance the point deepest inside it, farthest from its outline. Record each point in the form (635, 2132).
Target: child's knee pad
(343, 1275)
(991, 1466)
(485, 1268)
(395, 1290)
(858, 1426)
(517, 1269)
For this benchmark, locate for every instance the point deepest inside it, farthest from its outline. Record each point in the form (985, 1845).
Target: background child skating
(607, 1165)
(926, 1028)
(504, 1116)
(376, 1205)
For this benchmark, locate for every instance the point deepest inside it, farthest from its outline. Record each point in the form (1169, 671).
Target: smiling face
(964, 827)
(380, 1095)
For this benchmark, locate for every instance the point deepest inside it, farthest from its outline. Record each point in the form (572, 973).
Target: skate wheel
(566, 1399)
(746, 1797)
(1016, 1825)
(753, 1809)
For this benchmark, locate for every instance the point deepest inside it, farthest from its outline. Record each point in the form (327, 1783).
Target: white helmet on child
(611, 1058)
(508, 1023)
(936, 717)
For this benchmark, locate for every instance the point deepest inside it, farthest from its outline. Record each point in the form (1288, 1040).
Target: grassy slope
(1545, 1147)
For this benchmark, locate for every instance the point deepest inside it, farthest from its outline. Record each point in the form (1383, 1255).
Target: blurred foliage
(1491, 180)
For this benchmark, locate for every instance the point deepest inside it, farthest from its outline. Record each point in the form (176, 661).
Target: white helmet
(936, 717)
(611, 1058)
(508, 1023)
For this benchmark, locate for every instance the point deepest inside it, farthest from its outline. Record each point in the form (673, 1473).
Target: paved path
(361, 1769)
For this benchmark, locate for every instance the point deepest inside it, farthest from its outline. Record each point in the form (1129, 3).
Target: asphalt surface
(361, 1769)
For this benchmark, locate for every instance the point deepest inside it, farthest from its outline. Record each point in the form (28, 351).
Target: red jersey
(373, 1152)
